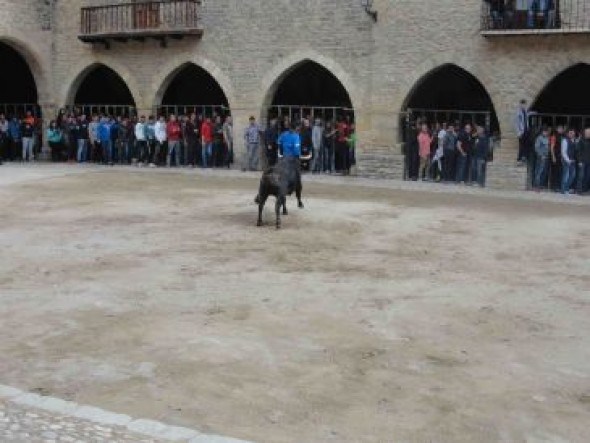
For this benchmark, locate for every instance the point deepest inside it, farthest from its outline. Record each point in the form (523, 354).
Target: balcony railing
(523, 17)
(140, 20)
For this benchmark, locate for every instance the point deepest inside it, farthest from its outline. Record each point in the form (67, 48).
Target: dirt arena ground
(375, 315)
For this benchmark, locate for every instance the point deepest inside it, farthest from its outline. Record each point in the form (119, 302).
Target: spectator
(351, 147)
(173, 134)
(106, 144)
(271, 137)
(82, 139)
(141, 145)
(318, 151)
(152, 142)
(252, 141)
(306, 139)
(206, 142)
(125, 135)
(161, 138)
(481, 150)
(290, 142)
(228, 137)
(341, 159)
(464, 149)
(55, 141)
(542, 151)
(555, 165)
(4, 137)
(218, 148)
(449, 157)
(95, 154)
(584, 163)
(424, 141)
(191, 135)
(568, 164)
(522, 129)
(14, 129)
(28, 135)
(328, 147)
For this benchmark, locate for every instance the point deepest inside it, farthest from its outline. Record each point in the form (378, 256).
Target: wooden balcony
(160, 20)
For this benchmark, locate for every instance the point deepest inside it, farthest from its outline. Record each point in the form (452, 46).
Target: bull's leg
(261, 201)
(298, 193)
(285, 212)
(278, 205)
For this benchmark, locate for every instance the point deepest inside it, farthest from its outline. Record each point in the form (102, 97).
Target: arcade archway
(102, 90)
(18, 90)
(189, 89)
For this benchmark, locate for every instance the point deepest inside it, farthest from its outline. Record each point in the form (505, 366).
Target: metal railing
(139, 18)
(570, 121)
(98, 109)
(19, 109)
(297, 112)
(204, 110)
(536, 15)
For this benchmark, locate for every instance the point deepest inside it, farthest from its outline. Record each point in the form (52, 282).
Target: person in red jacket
(206, 141)
(174, 134)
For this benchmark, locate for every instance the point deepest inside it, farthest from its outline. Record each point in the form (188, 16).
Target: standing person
(328, 146)
(125, 138)
(522, 129)
(306, 138)
(55, 141)
(150, 135)
(173, 134)
(228, 137)
(251, 141)
(584, 163)
(464, 148)
(568, 164)
(28, 135)
(191, 136)
(341, 155)
(4, 137)
(351, 147)
(449, 157)
(82, 139)
(542, 149)
(104, 136)
(160, 132)
(72, 137)
(218, 154)
(317, 136)
(94, 141)
(206, 142)
(290, 142)
(481, 150)
(424, 141)
(555, 165)
(14, 129)
(141, 145)
(271, 137)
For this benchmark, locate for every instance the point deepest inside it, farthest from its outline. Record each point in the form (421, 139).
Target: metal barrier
(204, 110)
(577, 122)
(114, 110)
(297, 112)
(20, 109)
(560, 15)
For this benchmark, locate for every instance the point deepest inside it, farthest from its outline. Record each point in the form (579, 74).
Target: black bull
(280, 180)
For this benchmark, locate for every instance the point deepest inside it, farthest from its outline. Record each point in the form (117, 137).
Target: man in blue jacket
(104, 136)
(290, 143)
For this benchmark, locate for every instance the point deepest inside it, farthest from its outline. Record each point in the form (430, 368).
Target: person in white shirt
(160, 129)
(141, 140)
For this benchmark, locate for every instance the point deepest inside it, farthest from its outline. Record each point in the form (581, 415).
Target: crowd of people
(518, 14)
(186, 140)
(448, 152)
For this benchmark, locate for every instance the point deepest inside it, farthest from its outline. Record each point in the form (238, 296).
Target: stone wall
(249, 46)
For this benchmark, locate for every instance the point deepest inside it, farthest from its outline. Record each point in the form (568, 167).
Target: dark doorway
(451, 88)
(104, 86)
(194, 90)
(18, 91)
(568, 93)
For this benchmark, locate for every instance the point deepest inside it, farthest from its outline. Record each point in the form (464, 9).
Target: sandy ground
(374, 315)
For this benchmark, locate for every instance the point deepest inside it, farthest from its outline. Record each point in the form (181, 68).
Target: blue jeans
(480, 168)
(540, 169)
(568, 173)
(461, 164)
(107, 151)
(206, 151)
(173, 148)
(28, 148)
(583, 177)
(81, 154)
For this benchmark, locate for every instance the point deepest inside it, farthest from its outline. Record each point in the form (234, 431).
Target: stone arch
(285, 66)
(71, 88)
(565, 79)
(166, 75)
(34, 61)
(431, 68)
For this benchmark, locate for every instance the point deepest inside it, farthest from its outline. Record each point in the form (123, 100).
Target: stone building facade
(250, 47)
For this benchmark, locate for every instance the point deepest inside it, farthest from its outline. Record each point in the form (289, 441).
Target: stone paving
(24, 424)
